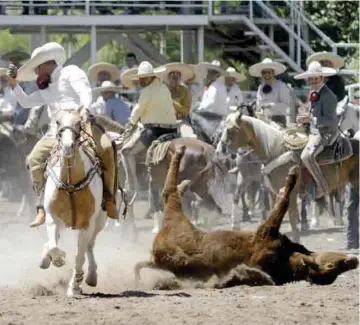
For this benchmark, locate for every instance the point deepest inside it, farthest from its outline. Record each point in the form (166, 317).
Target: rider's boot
(40, 217)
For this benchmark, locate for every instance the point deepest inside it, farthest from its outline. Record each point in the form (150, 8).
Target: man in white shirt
(272, 93)
(98, 73)
(7, 100)
(154, 110)
(234, 94)
(214, 97)
(59, 88)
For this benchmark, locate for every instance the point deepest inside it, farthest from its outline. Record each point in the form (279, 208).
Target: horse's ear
(80, 108)
(238, 119)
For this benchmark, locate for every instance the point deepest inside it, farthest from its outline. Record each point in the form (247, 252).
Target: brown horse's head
(236, 133)
(68, 124)
(286, 261)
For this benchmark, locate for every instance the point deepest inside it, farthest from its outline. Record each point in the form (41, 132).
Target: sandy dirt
(29, 295)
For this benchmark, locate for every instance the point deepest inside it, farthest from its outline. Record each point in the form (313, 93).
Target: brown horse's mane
(108, 124)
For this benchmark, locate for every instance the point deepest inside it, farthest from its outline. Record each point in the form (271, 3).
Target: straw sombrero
(231, 72)
(255, 70)
(146, 69)
(15, 56)
(47, 52)
(103, 66)
(126, 77)
(316, 70)
(335, 59)
(185, 70)
(107, 85)
(214, 65)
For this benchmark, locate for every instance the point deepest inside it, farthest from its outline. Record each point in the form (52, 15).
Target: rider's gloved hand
(11, 74)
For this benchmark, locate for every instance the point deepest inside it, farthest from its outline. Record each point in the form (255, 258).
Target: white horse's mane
(270, 138)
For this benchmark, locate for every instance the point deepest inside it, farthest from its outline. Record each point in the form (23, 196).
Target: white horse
(72, 198)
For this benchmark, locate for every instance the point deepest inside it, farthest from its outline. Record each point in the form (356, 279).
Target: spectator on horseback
(323, 117)
(115, 107)
(234, 94)
(214, 97)
(98, 73)
(175, 74)
(335, 83)
(272, 93)
(194, 85)
(155, 110)
(7, 100)
(61, 88)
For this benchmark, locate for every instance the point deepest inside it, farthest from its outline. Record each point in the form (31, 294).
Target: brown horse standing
(211, 188)
(267, 143)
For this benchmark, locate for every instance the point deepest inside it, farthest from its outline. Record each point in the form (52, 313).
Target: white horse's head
(68, 131)
(234, 135)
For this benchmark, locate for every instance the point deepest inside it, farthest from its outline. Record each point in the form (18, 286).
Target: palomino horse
(73, 197)
(267, 143)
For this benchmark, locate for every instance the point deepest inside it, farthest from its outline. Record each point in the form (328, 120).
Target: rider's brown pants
(40, 153)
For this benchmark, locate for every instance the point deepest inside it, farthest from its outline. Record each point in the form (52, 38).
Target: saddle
(158, 149)
(339, 149)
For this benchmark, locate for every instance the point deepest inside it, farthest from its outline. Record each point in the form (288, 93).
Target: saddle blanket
(158, 149)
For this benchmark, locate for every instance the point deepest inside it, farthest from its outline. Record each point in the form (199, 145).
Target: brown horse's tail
(219, 183)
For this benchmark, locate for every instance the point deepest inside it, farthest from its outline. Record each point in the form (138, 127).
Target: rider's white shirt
(234, 96)
(214, 98)
(69, 89)
(280, 96)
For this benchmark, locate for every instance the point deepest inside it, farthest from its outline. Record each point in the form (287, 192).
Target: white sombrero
(255, 70)
(146, 69)
(335, 59)
(103, 66)
(231, 72)
(47, 52)
(214, 65)
(126, 77)
(107, 85)
(316, 70)
(15, 56)
(185, 70)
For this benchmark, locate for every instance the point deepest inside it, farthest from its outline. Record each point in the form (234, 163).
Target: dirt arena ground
(29, 295)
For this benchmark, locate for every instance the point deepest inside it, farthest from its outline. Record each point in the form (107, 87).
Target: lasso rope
(292, 139)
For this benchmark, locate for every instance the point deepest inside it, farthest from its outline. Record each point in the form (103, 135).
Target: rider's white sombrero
(47, 52)
(126, 77)
(214, 65)
(231, 72)
(185, 70)
(255, 70)
(15, 56)
(316, 70)
(103, 66)
(146, 69)
(107, 85)
(335, 59)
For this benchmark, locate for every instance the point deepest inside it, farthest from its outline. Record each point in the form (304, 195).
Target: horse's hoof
(91, 280)
(314, 223)
(45, 262)
(72, 292)
(304, 226)
(57, 256)
(155, 230)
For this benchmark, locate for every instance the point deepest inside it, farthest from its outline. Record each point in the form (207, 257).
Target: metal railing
(102, 7)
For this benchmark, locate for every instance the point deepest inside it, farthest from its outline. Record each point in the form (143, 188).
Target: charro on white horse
(73, 198)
